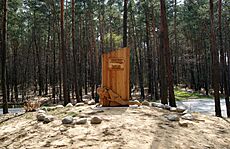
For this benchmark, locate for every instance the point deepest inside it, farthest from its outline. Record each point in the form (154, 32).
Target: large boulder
(67, 120)
(96, 120)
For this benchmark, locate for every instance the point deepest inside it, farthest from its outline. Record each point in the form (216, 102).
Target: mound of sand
(121, 128)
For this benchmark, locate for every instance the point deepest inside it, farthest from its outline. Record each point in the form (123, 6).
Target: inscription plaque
(116, 63)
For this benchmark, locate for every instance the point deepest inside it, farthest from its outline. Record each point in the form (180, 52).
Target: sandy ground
(121, 128)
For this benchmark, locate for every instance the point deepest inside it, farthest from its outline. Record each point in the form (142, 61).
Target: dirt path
(121, 128)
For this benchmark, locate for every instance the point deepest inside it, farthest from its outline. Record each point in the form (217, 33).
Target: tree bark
(125, 17)
(149, 54)
(223, 59)
(215, 63)
(74, 51)
(3, 58)
(167, 54)
(63, 56)
(176, 71)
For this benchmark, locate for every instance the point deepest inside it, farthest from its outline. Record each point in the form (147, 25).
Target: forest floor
(121, 128)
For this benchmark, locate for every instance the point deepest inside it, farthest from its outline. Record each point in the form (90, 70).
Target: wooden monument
(114, 90)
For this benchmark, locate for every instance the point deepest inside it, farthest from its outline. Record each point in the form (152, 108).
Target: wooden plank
(116, 71)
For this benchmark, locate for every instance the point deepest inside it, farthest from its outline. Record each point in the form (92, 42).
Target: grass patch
(59, 112)
(184, 95)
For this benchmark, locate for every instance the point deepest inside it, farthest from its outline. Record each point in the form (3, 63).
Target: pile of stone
(183, 120)
(43, 117)
(166, 107)
(81, 121)
(179, 114)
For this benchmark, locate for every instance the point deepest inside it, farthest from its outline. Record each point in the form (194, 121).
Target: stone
(185, 112)
(137, 101)
(183, 123)
(181, 109)
(155, 104)
(190, 91)
(94, 112)
(207, 146)
(145, 103)
(91, 102)
(86, 97)
(41, 111)
(161, 106)
(83, 116)
(80, 121)
(43, 108)
(85, 101)
(166, 107)
(48, 118)
(173, 109)
(79, 104)
(63, 129)
(59, 106)
(51, 108)
(193, 147)
(41, 116)
(188, 116)
(69, 105)
(67, 120)
(172, 117)
(96, 120)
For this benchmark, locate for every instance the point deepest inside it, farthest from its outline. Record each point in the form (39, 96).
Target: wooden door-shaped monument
(114, 89)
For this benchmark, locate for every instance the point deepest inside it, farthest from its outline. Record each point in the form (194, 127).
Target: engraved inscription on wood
(116, 63)
(116, 72)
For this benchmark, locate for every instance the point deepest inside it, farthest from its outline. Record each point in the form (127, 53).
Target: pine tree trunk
(215, 63)
(125, 17)
(63, 56)
(176, 65)
(167, 54)
(149, 54)
(3, 57)
(74, 51)
(137, 57)
(15, 80)
(223, 59)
